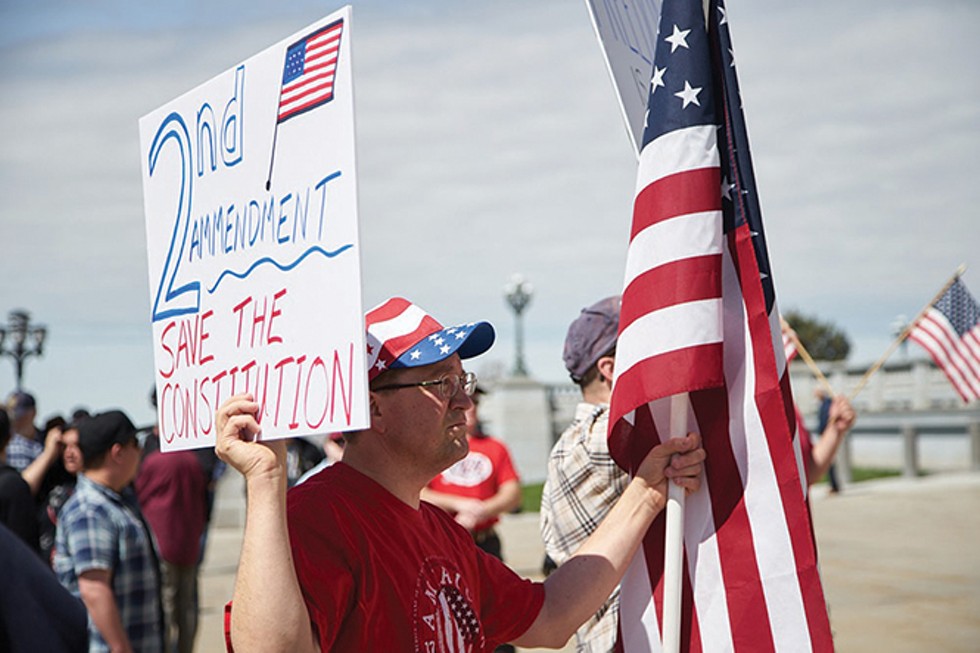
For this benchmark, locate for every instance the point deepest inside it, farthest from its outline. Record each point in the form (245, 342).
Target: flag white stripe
(762, 496)
(968, 352)
(669, 329)
(676, 239)
(300, 83)
(325, 57)
(970, 342)
(320, 46)
(402, 324)
(779, 342)
(691, 148)
(637, 611)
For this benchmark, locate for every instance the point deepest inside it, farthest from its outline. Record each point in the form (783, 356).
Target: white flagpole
(674, 537)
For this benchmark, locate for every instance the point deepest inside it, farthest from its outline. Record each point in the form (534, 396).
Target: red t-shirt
(378, 575)
(173, 494)
(478, 476)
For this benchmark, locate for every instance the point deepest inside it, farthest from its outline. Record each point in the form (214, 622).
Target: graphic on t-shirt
(470, 471)
(445, 621)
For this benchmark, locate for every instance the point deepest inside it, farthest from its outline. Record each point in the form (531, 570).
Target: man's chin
(460, 441)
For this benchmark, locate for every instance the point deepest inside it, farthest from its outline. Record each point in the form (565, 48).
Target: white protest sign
(250, 198)
(627, 32)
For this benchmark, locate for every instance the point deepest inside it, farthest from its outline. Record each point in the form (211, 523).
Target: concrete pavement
(900, 561)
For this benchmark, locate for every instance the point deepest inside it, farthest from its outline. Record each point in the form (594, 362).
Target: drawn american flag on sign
(950, 331)
(699, 316)
(309, 72)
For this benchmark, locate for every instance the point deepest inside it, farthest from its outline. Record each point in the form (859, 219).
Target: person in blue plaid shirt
(27, 442)
(32, 452)
(104, 552)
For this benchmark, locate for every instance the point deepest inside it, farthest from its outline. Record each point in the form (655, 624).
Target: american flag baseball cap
(401, 334)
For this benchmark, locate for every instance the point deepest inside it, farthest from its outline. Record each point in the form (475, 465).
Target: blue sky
(489, 143)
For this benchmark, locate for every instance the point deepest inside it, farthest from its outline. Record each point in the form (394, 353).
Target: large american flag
(309, 72)
(699, 316)
(950, 331)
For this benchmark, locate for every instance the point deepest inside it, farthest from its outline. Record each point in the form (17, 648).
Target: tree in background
(824, 340)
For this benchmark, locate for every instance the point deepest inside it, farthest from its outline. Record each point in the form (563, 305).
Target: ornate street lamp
(897, 329)
(518, 293)
(21, 340)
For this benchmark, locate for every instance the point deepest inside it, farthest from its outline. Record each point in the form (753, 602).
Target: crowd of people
(386, 539)
(111, 527)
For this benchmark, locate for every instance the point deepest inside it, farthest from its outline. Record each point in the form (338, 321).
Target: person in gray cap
(583, 482)
(354, 560)
(104, 552)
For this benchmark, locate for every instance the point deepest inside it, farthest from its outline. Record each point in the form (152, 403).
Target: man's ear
(605, 365)
(376, 412)
(115, 451)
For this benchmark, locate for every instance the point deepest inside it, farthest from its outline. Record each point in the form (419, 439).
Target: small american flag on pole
(950, 331)
(309, 72)
(789, 346)
(699, 316)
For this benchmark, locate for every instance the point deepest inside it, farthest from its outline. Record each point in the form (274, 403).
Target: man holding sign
(354, 560)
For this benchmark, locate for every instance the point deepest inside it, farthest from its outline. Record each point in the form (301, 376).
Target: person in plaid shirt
(583, 482)
(104, 552)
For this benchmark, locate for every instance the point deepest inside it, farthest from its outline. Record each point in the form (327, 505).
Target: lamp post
(898, 327)
(518, 293)
(21, 340)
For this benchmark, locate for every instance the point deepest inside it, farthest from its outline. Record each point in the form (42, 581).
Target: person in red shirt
(354, 560)
(172, 489)
(480, 487)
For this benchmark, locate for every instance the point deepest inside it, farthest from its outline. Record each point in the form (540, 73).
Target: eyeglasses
(449, 385)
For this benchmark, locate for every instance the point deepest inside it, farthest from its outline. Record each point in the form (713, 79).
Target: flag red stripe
(321, 92)
(390, 309)
(682, 193)
(653, 377)
(774, 403)
(744, 592)
(303, 107)
(677, 282)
